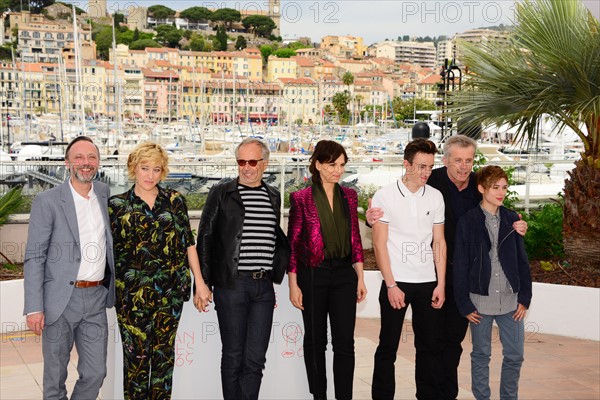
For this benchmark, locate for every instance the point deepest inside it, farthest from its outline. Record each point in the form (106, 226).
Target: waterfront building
(300, 97)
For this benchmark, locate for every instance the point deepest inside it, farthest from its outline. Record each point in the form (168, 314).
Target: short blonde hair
(148, 152)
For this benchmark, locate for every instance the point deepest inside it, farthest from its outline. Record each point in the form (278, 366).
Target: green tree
(260, 25)
(348, 79)
(549, 66)
(405, 109)
(340, 103)
(284, 53)
(143, 43)
(168, 35)
(227, 16)
(161, 12)
(103, 39)
(220, 42)
(196, 14)
(240, 43)
(297, 45)
(266, 50)
(197, 43)
(118, 18)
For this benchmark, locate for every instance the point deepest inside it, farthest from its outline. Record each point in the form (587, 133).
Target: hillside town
(55, 64)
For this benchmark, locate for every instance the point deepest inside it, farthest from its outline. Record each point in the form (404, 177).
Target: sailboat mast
(78, 87)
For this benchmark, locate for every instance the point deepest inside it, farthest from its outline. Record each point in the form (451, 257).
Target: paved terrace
(555, 367)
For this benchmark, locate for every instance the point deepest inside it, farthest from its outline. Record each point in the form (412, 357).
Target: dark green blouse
(335, 227)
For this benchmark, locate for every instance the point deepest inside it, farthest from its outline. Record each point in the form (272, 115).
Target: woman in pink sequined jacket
(326, 268)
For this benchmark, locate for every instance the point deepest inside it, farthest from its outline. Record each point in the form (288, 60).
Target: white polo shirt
(410, 218)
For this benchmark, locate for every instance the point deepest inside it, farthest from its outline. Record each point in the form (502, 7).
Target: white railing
(537, 180)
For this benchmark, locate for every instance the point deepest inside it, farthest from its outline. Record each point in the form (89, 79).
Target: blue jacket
(472, 264)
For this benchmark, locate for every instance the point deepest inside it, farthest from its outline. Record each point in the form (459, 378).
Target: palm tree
(550, 66)
(348, 79)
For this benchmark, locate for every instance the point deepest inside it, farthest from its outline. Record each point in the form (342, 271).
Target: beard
(84, 176)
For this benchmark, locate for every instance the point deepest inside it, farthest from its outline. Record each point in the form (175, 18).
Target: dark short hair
(489, 175)
(419, 145)
(79, 139)
(326, 151)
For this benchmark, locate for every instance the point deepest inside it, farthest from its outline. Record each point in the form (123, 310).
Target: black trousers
(426, 327)
(454, 329)
(329, 292)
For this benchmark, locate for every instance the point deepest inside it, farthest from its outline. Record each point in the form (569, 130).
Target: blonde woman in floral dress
(154, 251)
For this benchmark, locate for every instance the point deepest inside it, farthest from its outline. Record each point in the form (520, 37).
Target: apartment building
(43, 40)
(300, 100)
(281, 68)
(422, 54)
(477, 36)
(427, 88)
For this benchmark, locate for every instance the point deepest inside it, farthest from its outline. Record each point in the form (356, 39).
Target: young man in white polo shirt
(410, 250)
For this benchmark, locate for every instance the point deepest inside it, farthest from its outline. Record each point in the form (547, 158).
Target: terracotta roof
(297, 81)
(430, 79)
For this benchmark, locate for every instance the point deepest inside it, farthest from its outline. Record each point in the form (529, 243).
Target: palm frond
(550, 65)
(9, 203)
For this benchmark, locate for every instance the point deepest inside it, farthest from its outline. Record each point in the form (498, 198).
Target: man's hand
(373, 214)
(35, 322)
(438, 297)
(520, 226)
(396, 297)
(520, 313)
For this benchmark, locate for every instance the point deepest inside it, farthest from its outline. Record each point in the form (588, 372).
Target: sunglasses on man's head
(242, 163)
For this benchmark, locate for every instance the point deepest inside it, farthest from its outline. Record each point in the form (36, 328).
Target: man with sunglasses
(243, 251)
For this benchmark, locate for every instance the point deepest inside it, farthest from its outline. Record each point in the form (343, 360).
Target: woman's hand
(361, 291)
(202, 297)
(296, 296)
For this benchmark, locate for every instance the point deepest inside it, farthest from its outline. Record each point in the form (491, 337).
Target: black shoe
(321, 396)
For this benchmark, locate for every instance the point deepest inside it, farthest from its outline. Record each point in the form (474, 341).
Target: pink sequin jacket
(304, 229)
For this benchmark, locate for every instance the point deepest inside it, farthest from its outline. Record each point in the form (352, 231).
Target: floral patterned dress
(152, 283)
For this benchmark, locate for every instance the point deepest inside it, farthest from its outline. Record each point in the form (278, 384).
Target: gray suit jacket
(53, 253)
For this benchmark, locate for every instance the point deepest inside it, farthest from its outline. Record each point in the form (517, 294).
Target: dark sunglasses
(242, 163)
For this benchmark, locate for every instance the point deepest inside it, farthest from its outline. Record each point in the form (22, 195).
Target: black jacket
(439, 180)
(472, 264)
(220, 236)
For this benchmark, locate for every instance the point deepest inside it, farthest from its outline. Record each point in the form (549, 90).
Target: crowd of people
(443, 242)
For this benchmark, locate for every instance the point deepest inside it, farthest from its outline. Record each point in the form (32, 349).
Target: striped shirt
(258, 234)
(501, 299)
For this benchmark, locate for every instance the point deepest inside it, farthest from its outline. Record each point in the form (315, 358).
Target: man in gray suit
(69, 274)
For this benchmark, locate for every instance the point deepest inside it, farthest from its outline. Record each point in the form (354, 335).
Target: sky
(373, 20)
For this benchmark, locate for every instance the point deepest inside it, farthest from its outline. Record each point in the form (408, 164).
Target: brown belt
(87, 284)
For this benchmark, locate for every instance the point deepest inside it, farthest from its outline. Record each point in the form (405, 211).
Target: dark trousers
(426, 324)
(454, 328)
(245, 314)
(329, 291)
(148, 332)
